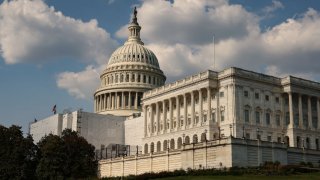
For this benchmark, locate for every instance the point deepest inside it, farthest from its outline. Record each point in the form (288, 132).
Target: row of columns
(300, 110)
(111, 101)
(157, 121)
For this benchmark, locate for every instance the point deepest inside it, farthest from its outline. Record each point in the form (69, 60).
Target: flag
(54, 109)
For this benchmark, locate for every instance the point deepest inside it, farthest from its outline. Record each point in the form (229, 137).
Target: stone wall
(221, 153)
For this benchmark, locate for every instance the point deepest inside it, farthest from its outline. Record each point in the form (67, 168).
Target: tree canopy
(54, 157)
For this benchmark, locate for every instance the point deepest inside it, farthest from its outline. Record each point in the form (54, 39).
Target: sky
(52, 51)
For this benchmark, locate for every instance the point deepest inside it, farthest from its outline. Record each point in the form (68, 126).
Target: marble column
(136, 101)
(118, 100)
(300, 112)
(157, 117)
(178, 112)
(105, 101)
(123, 100)
(151, 118)
(145, 120)
(290, 110)
(164, 120)
(170, 113)
(200, 106)
(112, 101)
(309, 113)
(192, 108)
(129, 100)
(185, 110)
(209, 105)
(95, 104)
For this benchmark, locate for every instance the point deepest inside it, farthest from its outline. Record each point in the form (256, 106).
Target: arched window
(121, 78)
(158, 146)
(203, 137)
(172, 144)
(165, 145)
(146, 148)
(152, 147)
(133, 78)
(195, 139)
(127, 78)
(179, 142)
(187, 140)
(139, 77)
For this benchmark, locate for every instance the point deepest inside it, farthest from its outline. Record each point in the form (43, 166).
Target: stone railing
(182, 82)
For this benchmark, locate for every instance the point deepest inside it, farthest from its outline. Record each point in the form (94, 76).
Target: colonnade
(165, 116)
(304, 122)
(118, 100)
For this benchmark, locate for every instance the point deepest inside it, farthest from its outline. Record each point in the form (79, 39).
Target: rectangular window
(268, 118)
(246, 94)
(246, 115)
(181, 122)
(257, 117)
(269, 138)
(205, 118)
(189, 121)
(279, 140)
(247, 135)
(222, 116)
(221, 94)
(278, 119)
(256, 95)
(277, 99)
(213, 116)
(197, 119)
(267, 97)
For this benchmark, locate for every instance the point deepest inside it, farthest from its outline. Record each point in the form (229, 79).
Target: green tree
(18, 158)
(68, 156)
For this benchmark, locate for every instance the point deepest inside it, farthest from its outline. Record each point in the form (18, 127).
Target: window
(277, 99)
(189, 121)
(267, 97)
(269, 138)
(247, 135)
(256, 95)
(268, 118)
(279, 140)
(246, 94)
(197, 120)
(222, 116)
(246, 115)
(181, 123)
(204, 118)
(213, 116)
(257, 117)
(221, 94)
(278, 119)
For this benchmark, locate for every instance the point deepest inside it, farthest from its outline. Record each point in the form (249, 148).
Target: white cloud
(176, 32)
(33, 32)
(80, 84)
(273, 7)
(192, 22)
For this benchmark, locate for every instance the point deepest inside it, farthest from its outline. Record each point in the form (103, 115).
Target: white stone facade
(236, 102)
(97, 129)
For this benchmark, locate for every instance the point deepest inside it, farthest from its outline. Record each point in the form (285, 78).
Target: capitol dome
(132, 69)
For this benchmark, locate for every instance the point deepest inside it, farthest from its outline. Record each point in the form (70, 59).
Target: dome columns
(120, 100)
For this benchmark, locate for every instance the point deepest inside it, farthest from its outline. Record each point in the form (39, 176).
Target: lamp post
(205, 133)
(230, 126)
(243, 132)
(258, 133)
(183, 135)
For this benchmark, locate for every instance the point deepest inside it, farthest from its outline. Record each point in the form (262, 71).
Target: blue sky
(52, 51)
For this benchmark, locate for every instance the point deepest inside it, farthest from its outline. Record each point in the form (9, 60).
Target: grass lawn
(307, 176)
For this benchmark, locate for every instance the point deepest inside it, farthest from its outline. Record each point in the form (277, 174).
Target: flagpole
(214, 55)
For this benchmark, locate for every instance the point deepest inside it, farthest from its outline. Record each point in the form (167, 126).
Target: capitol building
(211, 119)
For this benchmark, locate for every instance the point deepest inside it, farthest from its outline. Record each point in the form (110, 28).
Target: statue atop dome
(134, 19)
